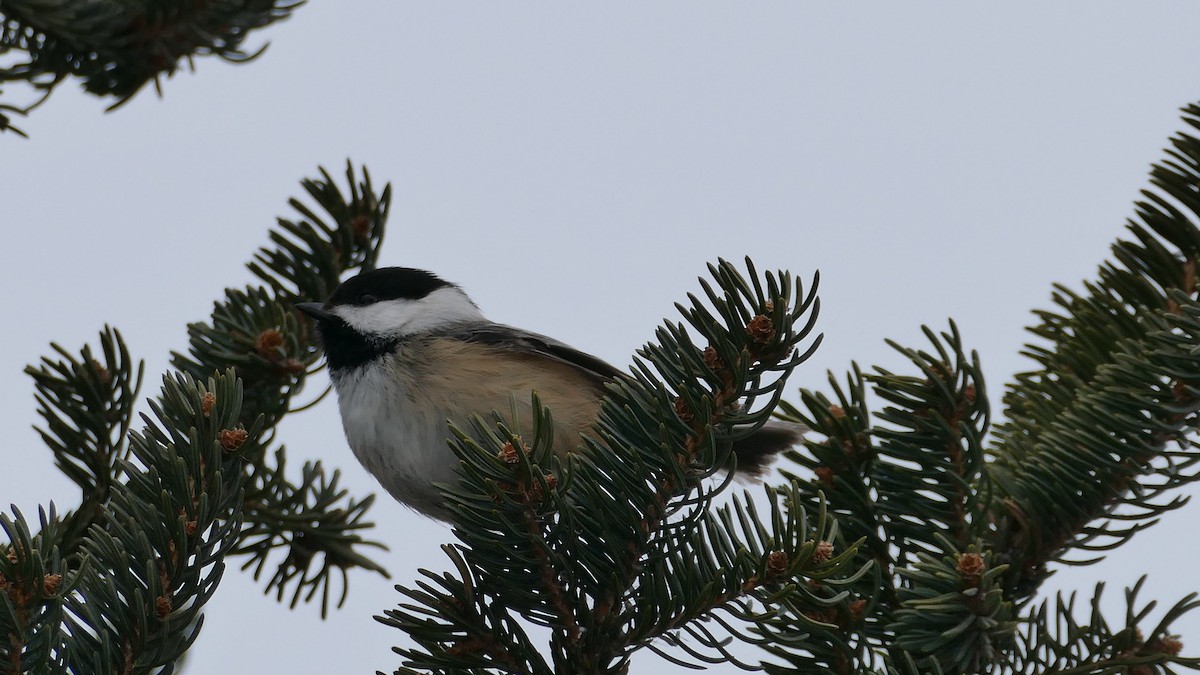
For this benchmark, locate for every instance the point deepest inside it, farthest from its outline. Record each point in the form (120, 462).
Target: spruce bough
(910, 534)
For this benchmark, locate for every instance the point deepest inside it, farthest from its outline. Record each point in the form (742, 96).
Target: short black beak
(317, 310)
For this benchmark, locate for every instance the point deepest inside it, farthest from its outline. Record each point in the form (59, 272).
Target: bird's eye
(367, 299)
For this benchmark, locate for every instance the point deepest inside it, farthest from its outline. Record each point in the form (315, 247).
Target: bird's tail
(755, 453)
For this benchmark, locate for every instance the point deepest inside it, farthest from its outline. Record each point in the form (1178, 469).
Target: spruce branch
(614, 548)
(1098, 439)
(908, 480)
(839, 470)
(155, 563)
(116, 48)
(928, 619)
(1055, 640)
(316, 523)
(1107, 415)
(908, 542)
(258, 332)
(131, 602)
(119, 584)
(87, 409)
(31, 587)
(929, 465)
(953, 612)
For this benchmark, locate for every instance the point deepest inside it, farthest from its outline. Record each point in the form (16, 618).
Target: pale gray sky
(574, 166)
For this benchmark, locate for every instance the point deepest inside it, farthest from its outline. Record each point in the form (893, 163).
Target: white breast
(396, 434)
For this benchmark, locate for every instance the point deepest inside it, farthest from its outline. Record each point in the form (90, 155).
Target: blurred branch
(116, 47)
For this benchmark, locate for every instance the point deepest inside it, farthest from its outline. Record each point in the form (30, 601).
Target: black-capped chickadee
(409, 352)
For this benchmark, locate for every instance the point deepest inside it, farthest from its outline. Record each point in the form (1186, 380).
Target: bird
(409, 353)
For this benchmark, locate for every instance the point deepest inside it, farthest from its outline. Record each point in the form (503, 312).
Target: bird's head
(373, 310)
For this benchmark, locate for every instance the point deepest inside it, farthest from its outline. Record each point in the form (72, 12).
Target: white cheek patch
(397, 318)
(382, 318)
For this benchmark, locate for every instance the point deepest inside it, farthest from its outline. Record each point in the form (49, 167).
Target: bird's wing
(524, 342)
